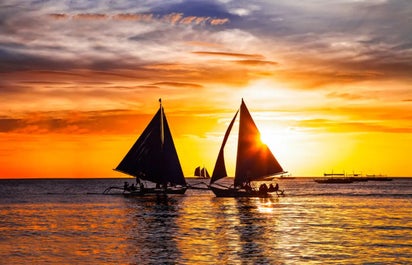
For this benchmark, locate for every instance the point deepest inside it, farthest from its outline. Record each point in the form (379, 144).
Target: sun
(270, 138)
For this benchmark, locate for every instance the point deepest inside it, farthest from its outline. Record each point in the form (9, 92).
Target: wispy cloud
(352, 127)
(172, 18)
(230, 54)
(74, 122)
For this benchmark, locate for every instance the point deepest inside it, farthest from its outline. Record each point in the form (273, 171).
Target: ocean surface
(70, 222)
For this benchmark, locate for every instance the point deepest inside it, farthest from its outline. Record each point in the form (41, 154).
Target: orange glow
(71, 105)
(90, 144)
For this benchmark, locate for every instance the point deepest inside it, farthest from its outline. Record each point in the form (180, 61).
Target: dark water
(60, 222)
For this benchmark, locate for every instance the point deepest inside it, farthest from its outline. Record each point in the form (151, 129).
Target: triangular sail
(172, 170)
(219, 171)
(254, 159)
(204, 173)
(153, 157)
(197, 171)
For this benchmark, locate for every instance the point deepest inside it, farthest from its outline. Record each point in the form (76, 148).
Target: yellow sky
(328, 90)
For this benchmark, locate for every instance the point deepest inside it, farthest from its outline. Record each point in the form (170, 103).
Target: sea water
(70, 222)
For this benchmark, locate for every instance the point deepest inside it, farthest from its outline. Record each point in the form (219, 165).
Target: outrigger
(140, 190)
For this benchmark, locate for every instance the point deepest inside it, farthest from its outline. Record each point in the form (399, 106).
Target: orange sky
(328, 90)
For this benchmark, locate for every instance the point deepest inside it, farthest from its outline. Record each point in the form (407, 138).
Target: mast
(162, 133)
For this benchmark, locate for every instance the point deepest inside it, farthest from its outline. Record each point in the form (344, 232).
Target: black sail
(172, 170)
(197, 171)
(254, 159)
(153, 157)
(219, 171)
(204, 173)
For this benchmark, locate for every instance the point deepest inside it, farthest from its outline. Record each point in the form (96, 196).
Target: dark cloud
(10, 124)
(72, 122)
(177, 84)
(230, 54)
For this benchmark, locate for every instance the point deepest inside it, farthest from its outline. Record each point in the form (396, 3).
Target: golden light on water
(363, 222)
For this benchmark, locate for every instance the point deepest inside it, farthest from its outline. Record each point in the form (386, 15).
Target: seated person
(126, 185)
(263, 188)
(247, 186)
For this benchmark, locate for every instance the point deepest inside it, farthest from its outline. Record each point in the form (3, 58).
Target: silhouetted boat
(378, 177)
(254, 162)
(154, 158)
(338, 178)
(357, 177)
(202, 173)
(334, 174)
(286, 176)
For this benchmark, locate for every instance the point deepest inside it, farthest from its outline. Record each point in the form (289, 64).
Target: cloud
(89, 16)
(172, 18)
(219, 21)
(229, 54)
(178, 85)
(74, 122)
(256, 63)
(352, 127)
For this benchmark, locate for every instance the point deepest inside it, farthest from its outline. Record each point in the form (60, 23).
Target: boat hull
(334, 180)
(153, 191)
(237, 193)
(378, 179)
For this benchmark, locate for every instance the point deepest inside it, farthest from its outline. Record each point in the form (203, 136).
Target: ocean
(65, 221)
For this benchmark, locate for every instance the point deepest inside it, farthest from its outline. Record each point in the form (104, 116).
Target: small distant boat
(378, 177)
(153, 158)
(334, 174)
(286, 176)
(254, 162)
(202, 173)
(338, 178)
(357, 177)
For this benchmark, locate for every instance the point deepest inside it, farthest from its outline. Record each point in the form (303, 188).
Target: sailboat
(202, 173)
(153, 158)
(254, 161)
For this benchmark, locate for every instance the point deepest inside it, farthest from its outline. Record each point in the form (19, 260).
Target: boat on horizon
(254, 162)
(201, 173)
(286, 176)
(334, 178)
(379, 177)
(357, 177)
(153, 158)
